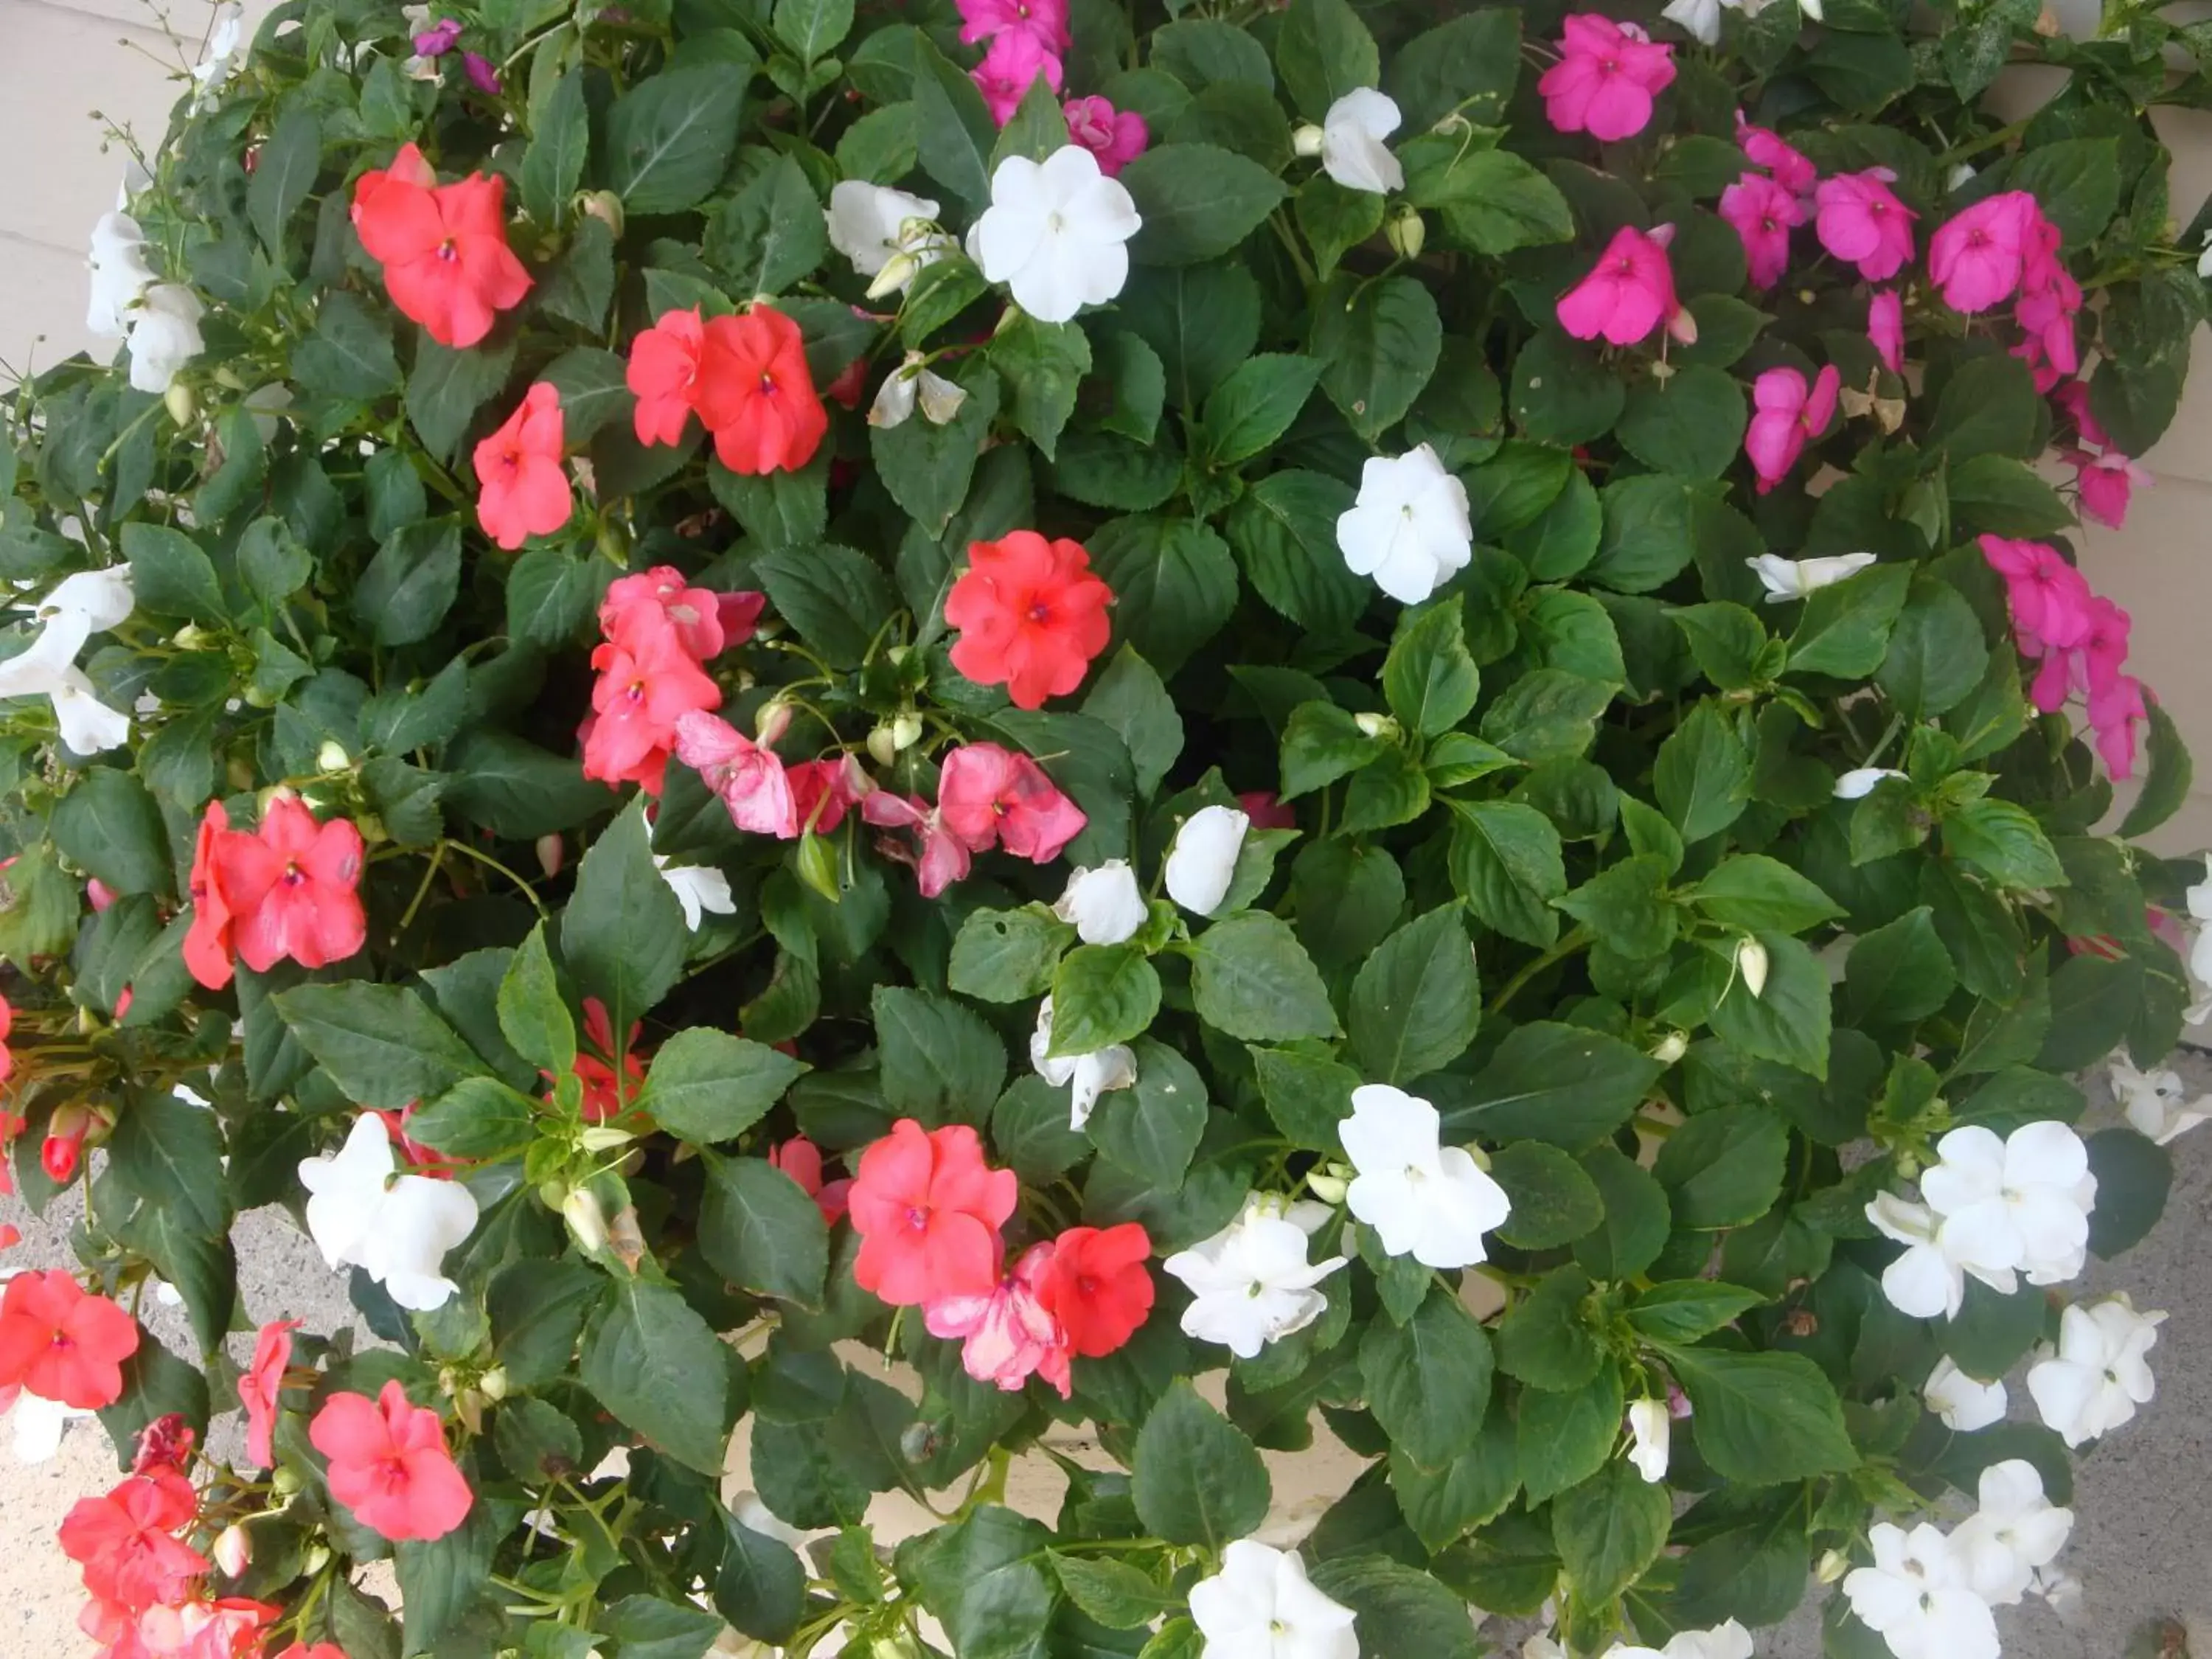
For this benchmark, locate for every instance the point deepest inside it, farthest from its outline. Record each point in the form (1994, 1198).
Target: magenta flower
(1886, 328)
(1628, 293)
(1014, 59)
(1791, 170)
(1763, 213)
(2108, 483)
(1790, 414)
(1606, 78)
(482, 73)
(1043, 21)
(2073, 399)
(2114, 717)
(440, 39)
(2049, 297)
(1116, 137)
(1862, 221)
(1977, 256)
(2053, 608)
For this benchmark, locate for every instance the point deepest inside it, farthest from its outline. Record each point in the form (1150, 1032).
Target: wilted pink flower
(1009, 1334)
(2049, 297)
(1606, 78)
(1763, 213)
(988, 796)
(1043, 21)
(2108, 483)
(483, 74)
(1116, 137)
(1791, 170)
(942, 858)
(747, 775)
(1628, 293)
(1976, 256)
(1789, 414)
(1862, 221)
(1014, 59)
(1886, 328)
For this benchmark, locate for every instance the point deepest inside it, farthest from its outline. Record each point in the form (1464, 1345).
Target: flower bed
(1388, 699)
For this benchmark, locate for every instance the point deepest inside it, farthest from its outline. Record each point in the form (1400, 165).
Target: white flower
(1699, 19)
(1056, 233)
(698, 888)
(1964, 1403)
(873, 226)
(1410, 528)
(2200, 948)
(1351, 148)
(88, 602)
(2015, 1532)
(395, 1228)
(1250, 1283)
(1652, 1431)
(1786, 580)
(36, 1424)
(2063, 1590)
(1858, 784)
(1916, 1598)
(2019, 1203)
(1423, 1200)
(1808, 8)
(1541, 1646)
(1964, 172)
(2100, 1371)
(1728, 1641)
(220, 61)
(756, 1517)
(1203, 860)
(1103, 905)
(165, 335)
(909, 383)
(1260, 1606)
(119, 273)
(1085, 1076)
(1922, 1282)
(2153, 1101)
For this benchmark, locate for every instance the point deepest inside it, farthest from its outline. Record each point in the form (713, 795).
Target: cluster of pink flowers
(762, 793)
(986, 797)
(1605, 79)
(929, 1210)
(659, 633)
(1028, 39)
(1765, 206)
(2079, 638)
(1789, 414)
(2106, 478)
(2002, 248)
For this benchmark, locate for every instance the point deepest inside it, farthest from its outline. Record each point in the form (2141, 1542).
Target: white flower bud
(332, 757)
(585, 1218)
(1751, 963)
(1374, 725)
(493, 1384)
(1408, 234)
(179, 399)
(882, 745)
(1671, 1048)
(552, 853)
(233, 1550)
(1306, 139)
(602, 1138)
(1329, 1188)
(1833, 1564)
(906, 729)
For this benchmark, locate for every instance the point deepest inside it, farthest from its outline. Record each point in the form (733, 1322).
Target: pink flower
(483, 74)
(1116, 137)
(2050, 599)
(2073, 399)
(2104, 648)
(2049, 297)
(635, 604)
(1015, 58)
(2114, 716)
(944, 858)
(1886, 328)
(1791, 170)
(1009, 1333)
(1043, 21)
(2107, 483)
(801, 1159)
(1628, 293)
(1763, 213)
(1975, 257)
(747, 775)
(1606, 78)
(987, 795)
(1790, 414)
(1862, 221)
(440, 39)
(824, 790)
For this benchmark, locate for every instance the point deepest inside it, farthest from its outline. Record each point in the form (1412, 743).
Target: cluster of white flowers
(91, 602)
(1929, 1594)
(159, 321)
(888, 235)
(394, 1227)
(2099, 1372)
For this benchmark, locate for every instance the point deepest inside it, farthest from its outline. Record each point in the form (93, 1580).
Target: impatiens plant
(863, 742)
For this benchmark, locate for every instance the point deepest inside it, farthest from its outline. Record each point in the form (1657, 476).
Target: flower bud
(1959, 177)
(188, 637)
(601, 1138)
(817, 867)
(1329, 1188)
(1834, 1564)
(906, 729)
(493, 1384)
(233, 1550)
(1751, 963)
(1408, 234)
(898, 270)
(332, 757)
(882, 745)
(285, 1483)
(1375, 726)
(552, 852)
(604, 206)
(772, 721)
(179, 400)
(585, 1218)
(1306, 140)
(318, 1555)
(1671, 1048)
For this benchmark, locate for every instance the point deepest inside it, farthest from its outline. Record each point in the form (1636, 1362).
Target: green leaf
(447, 387)
(2134, 1176)
(1546, 714)
(479, 1118)
(1723, 1167)
(1153, 1128)
(1335, 220)
(2076, 183)
(2003, 841)
(1323, 52)
(1637, 1219)
(349, 355)
(2093, 1003)
(953, 129)
(706, 1086)
(1788, 1021)
(1507, 865)
(928, 467)
(1762, 1417)
(110, 826)
(1756, 893)
(1306, 1095)
(772, 234)
(440, 1579)
(1111, 1591)
(170, 1156)
(2167, 782)
(985, 1579)
(1321, 742)
(412, 583)
(1472, 1489)
(622, 933)
(1561, 394)
(1937, 651)
(760, 1585)
(1379, 340)
(1625, 905)
(1007, 956)
(759, 1229)
(170, 576)
(1988, 406)
(1429, 677)
(1491, 201)
(1564, 1084)
(941, 1063)
(283, 175)
(1128, 696)
(1468, 65)
(1428, 1379)
(1565, 1436)
(1684, 1309)
(1691, 423)
(561, 139)
(1256, 405)
(657, 1365)
(1844, 629)
(1899, 973)
(533, 1017)
(1102, 994)
(1174, 583)
(1251, 979)
(647, 1627)
(1197, 201)
(1042, 363)
(1417, 1000)
(813, 28)
(381, 1043)
(670, 137)
(1554, 1202)
(1702, 774)
(1546, 1339)
(550, 593)
(1609, 1528)
(1196, 1479)
(835, 598)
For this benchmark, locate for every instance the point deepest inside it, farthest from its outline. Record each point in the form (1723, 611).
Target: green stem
(1566, 947)
(486, 859)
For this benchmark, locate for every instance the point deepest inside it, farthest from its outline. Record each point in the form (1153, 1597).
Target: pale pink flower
(1763, 213)
(1886, 328)
(1976, 256)
(1862, 221)
(1606, 78)
(1116, 137)
(1789, 414)
(747, 775)
(1008, 1335)
(1791, 170)
(1014, 59)
(1628, 293)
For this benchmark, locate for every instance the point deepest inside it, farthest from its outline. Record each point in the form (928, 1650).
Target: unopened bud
(585, 1218)
(1375, 726)
(602, 1138)
(1751, 963)
(188, 638)
(1329, 1188)
(1408, 234)
(1959, 176)
(234, 1551)
(882, 745)
(1834, 1564)
(552, 852)
(817, 867)
(332, 757)
(318, 1555)
(906, 729)
(179, 400)
(492, 1383)
(1670, 1048)
(898, 270)
(1307, 139)
(773, 720)
(899, 1644)
(283, 1481)
(604, 206)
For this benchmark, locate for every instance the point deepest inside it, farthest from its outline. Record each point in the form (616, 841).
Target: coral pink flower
(63, 1144)
(944, 858)
(740, 614)
(125, 1541)
(207, 942)
(2050, 599)
(294, 888)
(1606, 78)
(604, 1096)
(320, 1650)
(1099, 1289)
(823, 791)
(1012, 61)
(258, 1388)
(1116, 137)
(663, 373)
(801, 1159)
(647, 683)
(663, 594)
(1763, 213)
(1789, 414)
(756, 394)
(1628, 293)
(389, 1465)
(2108, 483)
(987, 795)
(928, 1210)
(1976, 257)
(1031, 615)
(1009, 1333)
(1266, 812)
(1045, 20)
(1791, 170)
(1862, 221)
(747, 775)
(164, 1445)
(1886, 328)
(443, 247)
(523, 488)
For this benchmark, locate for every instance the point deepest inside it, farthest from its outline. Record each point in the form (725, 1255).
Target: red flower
(523, 491)
(164, 1445)
(294, 888)
(65, 1143)
(663, 374)
(126, 1542)
(756, 395)
(1266, 812)
(389, 1464)
(207, 942)
(61, 1343)
(602, 1098)
(647, 682)
(928, 1210)
(259, 1388)
(443, 247)
(823, 791)
(987, 794)
(320, 1651)
(1099, 1289)
(801, 1159)
(1031, 615)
